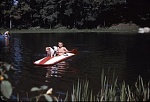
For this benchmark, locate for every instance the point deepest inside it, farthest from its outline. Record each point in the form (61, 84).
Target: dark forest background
(79, 14)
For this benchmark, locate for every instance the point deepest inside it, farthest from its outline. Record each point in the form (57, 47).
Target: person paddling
(61, 50)
(57, 51)
(6, 34)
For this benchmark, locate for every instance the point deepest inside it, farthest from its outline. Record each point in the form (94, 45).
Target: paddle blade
(74, 51)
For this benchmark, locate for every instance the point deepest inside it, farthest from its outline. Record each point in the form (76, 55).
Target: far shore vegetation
(118, 28)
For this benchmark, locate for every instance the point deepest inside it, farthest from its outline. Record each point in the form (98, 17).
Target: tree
(72, 13)
(139, 12)
(5, 7)
(21, 14)
(48, 12)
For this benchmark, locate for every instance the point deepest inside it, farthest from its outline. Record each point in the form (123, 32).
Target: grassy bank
(120, 28)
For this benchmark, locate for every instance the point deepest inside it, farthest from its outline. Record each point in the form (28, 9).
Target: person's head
(7, 32)
(60, 44)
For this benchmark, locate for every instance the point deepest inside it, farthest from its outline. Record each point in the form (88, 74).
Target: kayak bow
(53, 60)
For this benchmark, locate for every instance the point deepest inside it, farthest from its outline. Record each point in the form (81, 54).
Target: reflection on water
(17, 58)
(4, 43)
(127, 54)
(7, 47)
(17, 52)
(56, 70)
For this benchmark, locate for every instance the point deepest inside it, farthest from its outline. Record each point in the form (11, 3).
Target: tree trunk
(10, 23)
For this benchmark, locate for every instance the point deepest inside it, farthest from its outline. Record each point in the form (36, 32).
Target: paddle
(72, 51)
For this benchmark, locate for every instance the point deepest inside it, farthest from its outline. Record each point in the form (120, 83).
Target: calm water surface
(128, 54)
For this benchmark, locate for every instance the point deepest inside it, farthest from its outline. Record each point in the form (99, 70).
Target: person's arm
(65, 49)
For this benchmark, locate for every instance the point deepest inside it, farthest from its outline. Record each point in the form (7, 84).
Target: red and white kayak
(53, 60)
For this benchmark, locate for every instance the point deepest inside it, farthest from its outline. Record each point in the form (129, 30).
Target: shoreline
(39, 30)
(116, 28)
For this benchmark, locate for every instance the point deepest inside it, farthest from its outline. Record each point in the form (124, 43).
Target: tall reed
(111, 91)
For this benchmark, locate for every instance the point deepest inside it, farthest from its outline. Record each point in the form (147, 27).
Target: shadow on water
(127, 54)
(4, 46)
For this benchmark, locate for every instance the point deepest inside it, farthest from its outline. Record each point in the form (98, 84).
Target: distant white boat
(144, 30)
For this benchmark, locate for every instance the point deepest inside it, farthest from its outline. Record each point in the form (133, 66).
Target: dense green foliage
(72, 13)
(5, 85)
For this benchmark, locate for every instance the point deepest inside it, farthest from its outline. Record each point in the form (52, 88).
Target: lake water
(128, 54)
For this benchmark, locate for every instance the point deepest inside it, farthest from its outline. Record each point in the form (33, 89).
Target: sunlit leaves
(5, 66)
(6, 89)
(41, 95)
(5, 85)
(49, 92)
(48, 98)
(35, 89)
(6, 76)
(8, 67)
(44, 87)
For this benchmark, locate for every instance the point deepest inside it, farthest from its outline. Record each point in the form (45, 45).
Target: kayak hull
(53, 60)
